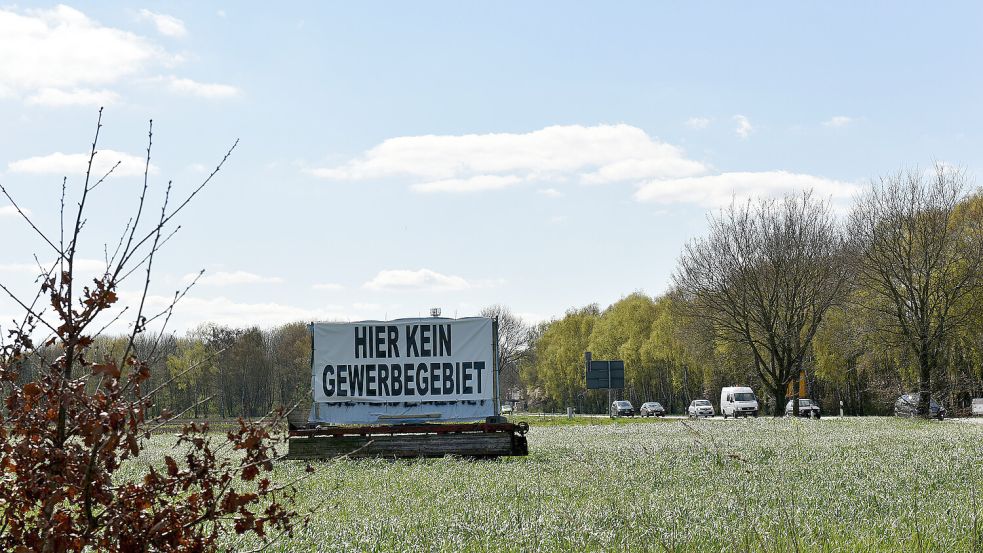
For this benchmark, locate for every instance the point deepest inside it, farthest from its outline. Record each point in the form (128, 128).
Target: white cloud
(167, 25)
(838, 121)
(550, 193)
(697, 123)
(230, 278)
(330, 286)
(744, 127)
(557, 219)
(192, 311)
(61, 57)
(635, 169)
(75, 164)
(473, 184)
(11, 211)
(61, 48)
(202, 90)
(90, 266)
(719, 190)
(29, 268)
(56, 97)
(422, 279)
(455, 163)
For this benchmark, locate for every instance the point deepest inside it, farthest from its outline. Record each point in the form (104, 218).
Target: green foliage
(189, 364)
(559, 354)
(919, 254)
(676, 348)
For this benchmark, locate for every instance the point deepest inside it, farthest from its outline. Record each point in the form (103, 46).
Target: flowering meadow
(864, 484)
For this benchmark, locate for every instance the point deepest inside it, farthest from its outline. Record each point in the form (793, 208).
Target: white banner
(404, 362)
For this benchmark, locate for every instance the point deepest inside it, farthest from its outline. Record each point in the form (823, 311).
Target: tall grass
(745, 485)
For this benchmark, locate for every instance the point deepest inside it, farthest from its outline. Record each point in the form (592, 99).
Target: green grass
(748, 485)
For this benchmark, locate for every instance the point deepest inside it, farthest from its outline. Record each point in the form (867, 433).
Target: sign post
(604, 374)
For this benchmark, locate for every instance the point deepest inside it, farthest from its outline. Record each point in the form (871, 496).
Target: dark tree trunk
(924, 383)
(795, 394)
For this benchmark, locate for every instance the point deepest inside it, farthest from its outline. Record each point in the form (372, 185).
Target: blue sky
(397, 156)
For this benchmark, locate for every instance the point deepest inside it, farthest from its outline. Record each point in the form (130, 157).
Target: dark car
(652, 409)
(622, 409)
(807, 408)
(907, 406)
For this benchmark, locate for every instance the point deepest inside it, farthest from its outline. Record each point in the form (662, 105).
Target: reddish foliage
(65, 434)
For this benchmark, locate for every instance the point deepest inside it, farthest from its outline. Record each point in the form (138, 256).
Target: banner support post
(315, 408)
(498, 380)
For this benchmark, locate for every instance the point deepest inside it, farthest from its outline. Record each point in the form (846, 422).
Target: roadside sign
(405, 370)
(605, 374)
(790, 391)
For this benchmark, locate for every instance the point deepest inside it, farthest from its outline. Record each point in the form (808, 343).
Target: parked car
(907, 406)
(738, 401)
(807, 408)
(978, 406)
(700, 408)
(622, 408)
(506, 409)
(652, 409)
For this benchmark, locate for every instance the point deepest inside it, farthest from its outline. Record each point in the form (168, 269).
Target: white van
(738, 401)
(978, 406)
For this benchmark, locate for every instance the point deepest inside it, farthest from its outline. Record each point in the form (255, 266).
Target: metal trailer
(480, 440)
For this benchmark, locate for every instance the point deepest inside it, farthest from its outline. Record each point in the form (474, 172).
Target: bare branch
(28, 219)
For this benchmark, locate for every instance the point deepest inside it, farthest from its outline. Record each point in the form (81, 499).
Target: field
(868, 484)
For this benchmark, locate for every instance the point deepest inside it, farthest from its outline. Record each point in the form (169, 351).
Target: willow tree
(559, 356)
(676, 343)
(620, 333)
(840, 345)
(764, 277)
(918, 243)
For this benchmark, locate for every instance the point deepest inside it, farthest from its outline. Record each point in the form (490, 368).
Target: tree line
(863, 306)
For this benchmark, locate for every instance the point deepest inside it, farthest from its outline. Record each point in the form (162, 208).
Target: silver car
(700, 408)
(807, 408)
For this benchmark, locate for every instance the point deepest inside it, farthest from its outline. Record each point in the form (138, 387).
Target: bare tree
(764, 277)
(919, 251)
(513, 343)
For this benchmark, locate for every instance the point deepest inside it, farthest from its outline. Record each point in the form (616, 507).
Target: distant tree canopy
(764, 278)
(918, 253)
(884, 302)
